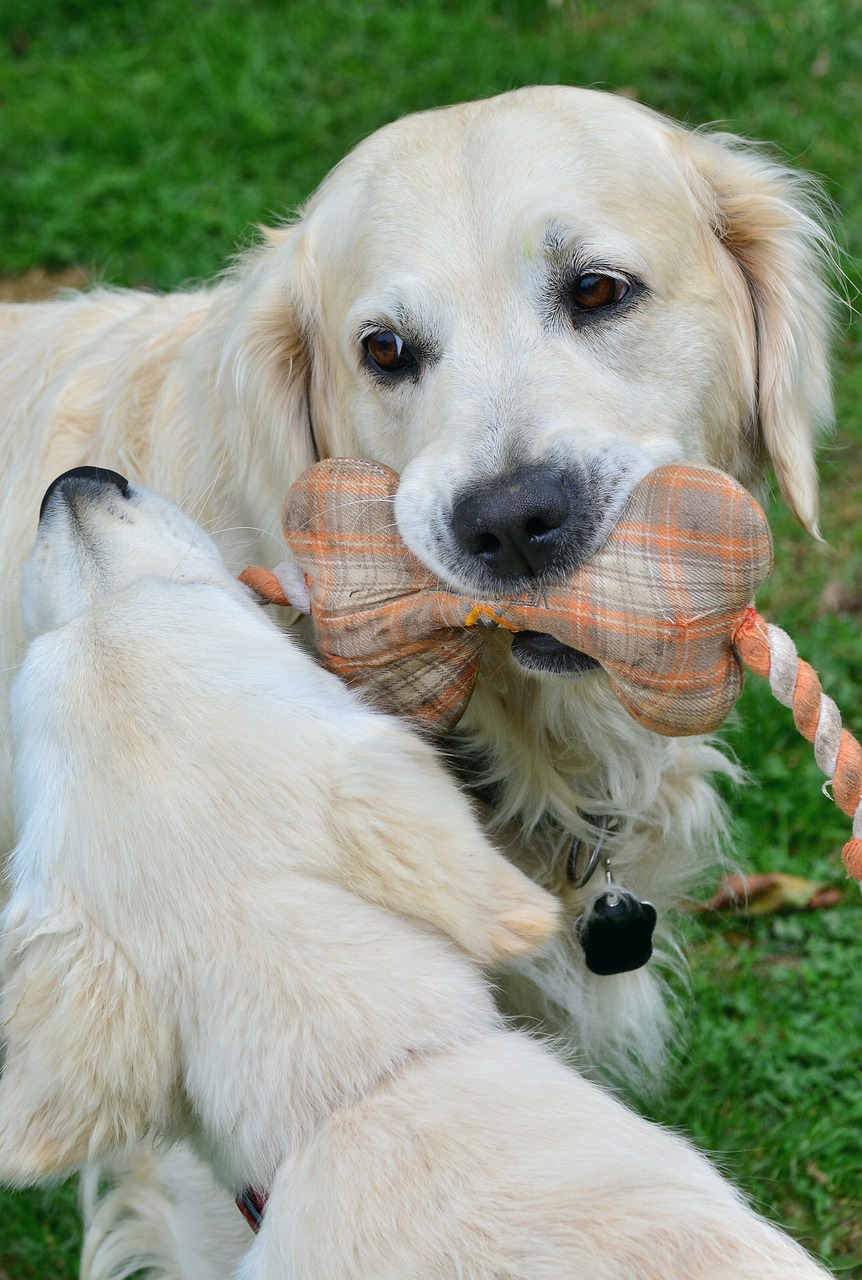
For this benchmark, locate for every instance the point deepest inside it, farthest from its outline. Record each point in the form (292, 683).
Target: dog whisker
(220, 532)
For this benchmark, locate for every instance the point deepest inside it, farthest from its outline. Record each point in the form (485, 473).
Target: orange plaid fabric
(657, 606)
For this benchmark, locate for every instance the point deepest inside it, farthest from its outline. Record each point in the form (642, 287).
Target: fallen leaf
(37, 284)
(815, 1172)
(839, 597)
(764, 893)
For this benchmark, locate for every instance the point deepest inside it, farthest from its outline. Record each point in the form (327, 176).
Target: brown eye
(388, 351)
(593, 290)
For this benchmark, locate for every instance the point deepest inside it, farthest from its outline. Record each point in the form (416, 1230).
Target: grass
(141, 142)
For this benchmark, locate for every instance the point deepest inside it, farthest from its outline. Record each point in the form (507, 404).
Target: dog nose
(87, 475)
(521, 524)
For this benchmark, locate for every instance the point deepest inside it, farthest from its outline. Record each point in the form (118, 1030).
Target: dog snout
(523, 525)
(82, 478)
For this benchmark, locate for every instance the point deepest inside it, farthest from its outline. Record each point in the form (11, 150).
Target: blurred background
(140, 144)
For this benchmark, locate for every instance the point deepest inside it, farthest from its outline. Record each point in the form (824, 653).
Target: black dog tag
(617, 934)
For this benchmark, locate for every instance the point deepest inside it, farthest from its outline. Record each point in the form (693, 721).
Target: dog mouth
(538, 651)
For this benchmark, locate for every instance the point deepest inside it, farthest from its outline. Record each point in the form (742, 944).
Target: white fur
(203, 944)
(219, 397)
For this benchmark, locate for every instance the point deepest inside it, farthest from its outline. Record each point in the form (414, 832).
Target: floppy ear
(769, 219)
(88, 1062)
(266, 360)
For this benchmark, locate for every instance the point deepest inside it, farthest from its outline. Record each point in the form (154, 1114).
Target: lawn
(143, 142)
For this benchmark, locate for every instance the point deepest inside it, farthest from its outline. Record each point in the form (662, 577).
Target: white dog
(522, 304)
(203, 943)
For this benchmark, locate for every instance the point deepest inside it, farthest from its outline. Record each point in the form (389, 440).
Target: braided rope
(768, 651)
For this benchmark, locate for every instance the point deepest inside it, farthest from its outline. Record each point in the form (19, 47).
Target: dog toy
(665, 606)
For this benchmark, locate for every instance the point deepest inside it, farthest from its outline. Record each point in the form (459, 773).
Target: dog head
(524, 305)
(97, 535)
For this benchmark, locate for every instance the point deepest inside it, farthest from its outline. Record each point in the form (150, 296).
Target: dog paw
(521, 917)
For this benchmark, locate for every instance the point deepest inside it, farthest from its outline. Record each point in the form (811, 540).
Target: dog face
(99, 534)
(525, 304)
(515, 350)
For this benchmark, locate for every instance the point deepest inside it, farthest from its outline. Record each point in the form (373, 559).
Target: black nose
(522, 524)
(93, 475)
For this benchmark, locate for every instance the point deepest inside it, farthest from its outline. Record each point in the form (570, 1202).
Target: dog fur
(203, 944)
(456, 228)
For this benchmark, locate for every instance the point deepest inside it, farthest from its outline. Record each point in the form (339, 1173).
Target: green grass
(40, 1237)
(143, 141)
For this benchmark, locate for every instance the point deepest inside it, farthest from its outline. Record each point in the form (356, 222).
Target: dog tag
(617, 934)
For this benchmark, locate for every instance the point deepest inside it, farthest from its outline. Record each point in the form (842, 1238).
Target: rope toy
(768, 651)
(665, 606)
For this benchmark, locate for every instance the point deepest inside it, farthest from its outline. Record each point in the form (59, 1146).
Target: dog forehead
(442, 191)
(536, 125)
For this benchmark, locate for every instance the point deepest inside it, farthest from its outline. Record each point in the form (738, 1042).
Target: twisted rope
(768, 651)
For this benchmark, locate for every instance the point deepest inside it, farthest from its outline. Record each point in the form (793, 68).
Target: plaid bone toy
(664, 606)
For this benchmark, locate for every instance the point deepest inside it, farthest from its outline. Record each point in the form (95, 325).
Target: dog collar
(251, 1204)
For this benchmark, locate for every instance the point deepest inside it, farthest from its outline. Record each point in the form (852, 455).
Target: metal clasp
(608, 825)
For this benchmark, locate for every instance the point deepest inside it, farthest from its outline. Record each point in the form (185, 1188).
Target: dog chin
(542, 653)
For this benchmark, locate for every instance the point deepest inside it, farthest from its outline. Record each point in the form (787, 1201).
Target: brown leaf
(814, 1171)
(838, 596)
(764, 893)
(37, 284)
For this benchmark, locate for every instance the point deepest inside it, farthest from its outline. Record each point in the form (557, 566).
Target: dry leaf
(764, 893)
(37, 284)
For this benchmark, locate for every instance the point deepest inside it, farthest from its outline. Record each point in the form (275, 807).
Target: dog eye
(592, 290)
(388, 351)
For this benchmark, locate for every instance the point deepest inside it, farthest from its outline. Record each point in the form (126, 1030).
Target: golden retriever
(522, 305)
(202, 943)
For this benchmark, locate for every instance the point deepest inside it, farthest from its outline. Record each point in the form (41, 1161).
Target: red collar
(251, 1204)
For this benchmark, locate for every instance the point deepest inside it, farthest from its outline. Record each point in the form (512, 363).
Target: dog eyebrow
(425, 336)
(570, 252)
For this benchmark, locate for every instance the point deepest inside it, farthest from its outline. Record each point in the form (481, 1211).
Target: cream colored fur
(220, 396)
(201, 943)
(129, 913)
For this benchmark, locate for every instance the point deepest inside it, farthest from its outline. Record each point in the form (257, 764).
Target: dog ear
(88, 1062)
(768, 218)
(266, 360)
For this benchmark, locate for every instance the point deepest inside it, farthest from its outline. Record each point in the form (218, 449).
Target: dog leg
(412, 843)
(90, 1063)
